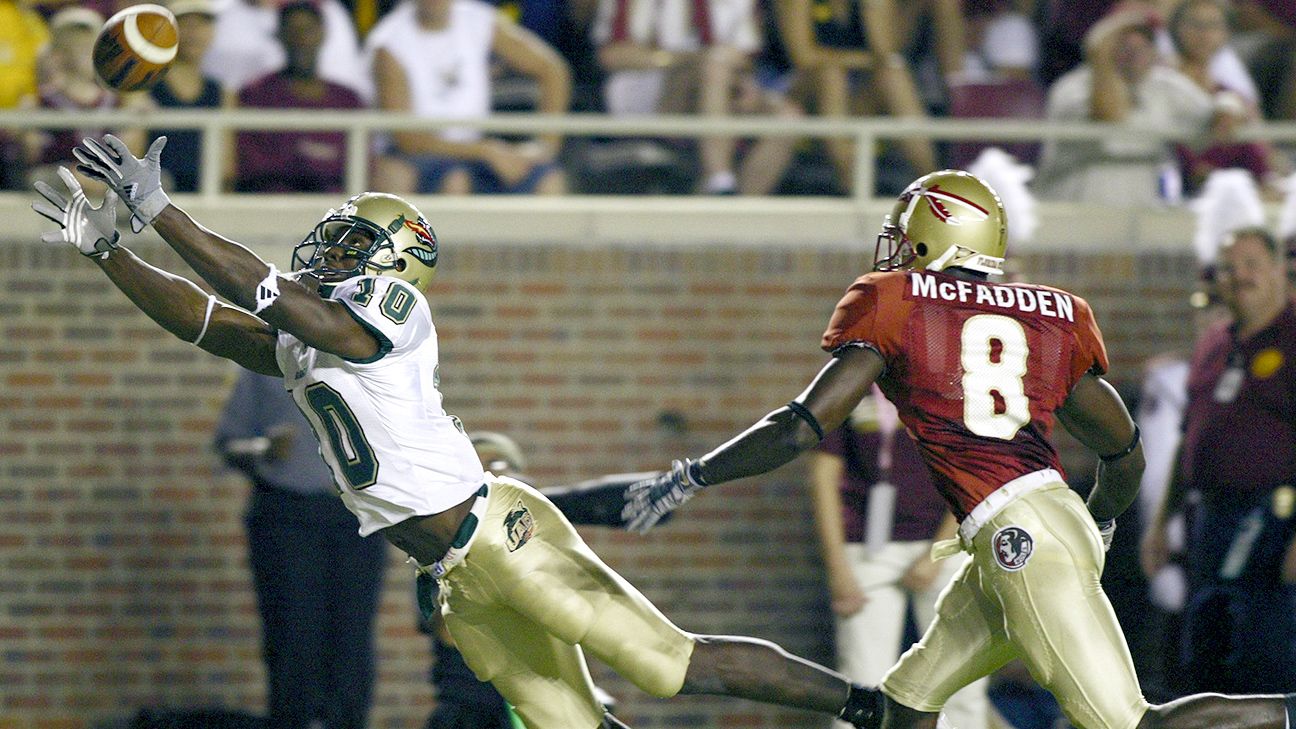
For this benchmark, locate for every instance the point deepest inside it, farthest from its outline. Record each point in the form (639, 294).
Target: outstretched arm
(1097, 417)
(596, 502)
(175, 303)
(180, 307)
(773, 441)
(783, 434)
(232, 270)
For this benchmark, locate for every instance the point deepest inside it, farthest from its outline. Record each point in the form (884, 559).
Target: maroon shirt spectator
(58, 149)
(1242, 399)
(918, 508)
(295, 161)
(1198, 164)
(292, 161)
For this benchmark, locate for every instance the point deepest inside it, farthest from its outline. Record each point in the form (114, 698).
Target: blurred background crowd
(1200, 69)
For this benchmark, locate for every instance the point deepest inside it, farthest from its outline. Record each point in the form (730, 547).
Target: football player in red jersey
(979, 371)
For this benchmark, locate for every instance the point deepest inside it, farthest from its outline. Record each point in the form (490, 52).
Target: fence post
(357, 169)
(862, 179)
(213, 153)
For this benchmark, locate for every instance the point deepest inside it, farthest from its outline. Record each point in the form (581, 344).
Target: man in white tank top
(432, 58)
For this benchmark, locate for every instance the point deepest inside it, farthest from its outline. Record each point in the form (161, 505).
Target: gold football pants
(530, 595)
(1030, 591)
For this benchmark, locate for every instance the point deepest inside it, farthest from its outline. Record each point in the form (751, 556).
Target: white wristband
(211, 304)
(268, 290)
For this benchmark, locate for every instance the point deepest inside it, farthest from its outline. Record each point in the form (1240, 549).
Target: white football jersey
(393, 450)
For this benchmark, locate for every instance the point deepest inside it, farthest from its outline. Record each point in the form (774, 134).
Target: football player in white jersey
(351, 333)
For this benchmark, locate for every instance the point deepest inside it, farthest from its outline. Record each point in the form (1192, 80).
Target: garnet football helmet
(943, 220)
(375, 234)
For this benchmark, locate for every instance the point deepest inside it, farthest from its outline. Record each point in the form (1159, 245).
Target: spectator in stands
(185, 86)
(23, 37)
(1199, 34)
(317, 580)
(71, 85)
(1121, 83)
(245, 47)
(1239, 624)
(877, 513)
(1063, 27)
(945, 21)
(694, 58)
(273, 161)
(846, 55)
(1273, 24)
(565, 25)
(432, 58)
(933, 39)
(1002, 42)
(1223, 150)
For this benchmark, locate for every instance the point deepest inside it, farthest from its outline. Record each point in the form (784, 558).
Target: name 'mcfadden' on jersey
(975, 368)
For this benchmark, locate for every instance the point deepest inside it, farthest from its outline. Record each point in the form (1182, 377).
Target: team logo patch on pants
(1012, 547)
(519, 525)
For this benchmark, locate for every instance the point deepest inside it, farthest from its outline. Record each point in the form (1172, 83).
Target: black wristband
(803, 412)
(1128, 449)
(695, 472)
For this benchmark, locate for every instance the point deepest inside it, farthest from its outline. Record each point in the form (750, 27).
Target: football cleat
(863, 708)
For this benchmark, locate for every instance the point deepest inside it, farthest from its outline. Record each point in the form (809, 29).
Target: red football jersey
(975, 368)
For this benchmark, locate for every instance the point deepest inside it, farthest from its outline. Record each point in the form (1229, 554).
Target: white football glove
(649, 500)
(1107, 530)
(91, 230)
(137, 181)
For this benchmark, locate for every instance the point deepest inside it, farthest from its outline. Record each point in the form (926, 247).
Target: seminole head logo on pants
(1012, 547)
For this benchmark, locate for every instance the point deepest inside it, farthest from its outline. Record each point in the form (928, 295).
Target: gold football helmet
(373, 233)
(943, 220)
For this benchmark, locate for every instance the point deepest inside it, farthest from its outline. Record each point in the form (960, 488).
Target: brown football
(135, 47)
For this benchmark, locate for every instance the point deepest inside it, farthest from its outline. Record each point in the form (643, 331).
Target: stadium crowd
(1201, 68)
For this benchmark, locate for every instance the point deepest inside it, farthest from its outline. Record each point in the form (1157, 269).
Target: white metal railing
(360, 125)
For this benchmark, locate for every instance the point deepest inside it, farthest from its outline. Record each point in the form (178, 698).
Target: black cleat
(863, 707)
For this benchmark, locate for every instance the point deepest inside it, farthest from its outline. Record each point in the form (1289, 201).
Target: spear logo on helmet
(952, 209)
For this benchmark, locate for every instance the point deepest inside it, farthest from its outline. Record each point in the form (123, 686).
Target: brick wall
(122, 557)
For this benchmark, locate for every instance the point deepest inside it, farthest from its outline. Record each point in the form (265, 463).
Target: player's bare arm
(180, 307)
(175, 303)
(784, 433)
(235, 272)
(773, 441)
(1097, 417)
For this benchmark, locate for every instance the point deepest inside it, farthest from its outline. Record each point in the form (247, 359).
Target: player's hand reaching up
(649, 500)
(137, 181)
(91, 230)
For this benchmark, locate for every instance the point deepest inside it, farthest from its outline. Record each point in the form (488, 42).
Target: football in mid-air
(135, 47)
